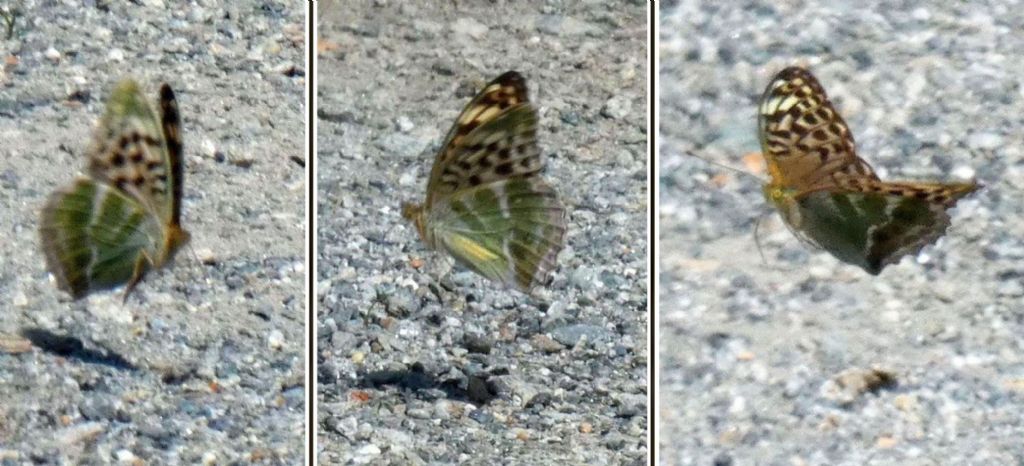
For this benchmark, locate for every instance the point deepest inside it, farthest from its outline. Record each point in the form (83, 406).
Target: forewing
(509, 231)
(93, 235)
(130, 152)
(494, 138)
(804, 140)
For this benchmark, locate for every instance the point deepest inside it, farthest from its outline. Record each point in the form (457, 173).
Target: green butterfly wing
(109, 228)
(509, 231)
(873, 228)
(486, 203)
(94, 237)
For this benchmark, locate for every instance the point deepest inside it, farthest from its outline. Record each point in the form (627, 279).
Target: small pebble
(275, 340)
(52, 54)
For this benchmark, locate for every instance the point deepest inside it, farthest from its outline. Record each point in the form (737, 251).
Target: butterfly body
(486, 204)
(110, 227)
(829, 196)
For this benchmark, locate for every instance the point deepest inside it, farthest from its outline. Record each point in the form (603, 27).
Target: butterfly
(830, 197)
(123, 217)
(486, 204)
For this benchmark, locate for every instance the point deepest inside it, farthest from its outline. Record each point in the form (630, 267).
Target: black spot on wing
(504, 169)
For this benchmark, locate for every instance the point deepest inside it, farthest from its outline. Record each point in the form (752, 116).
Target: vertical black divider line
(310, 365)
(652, 258)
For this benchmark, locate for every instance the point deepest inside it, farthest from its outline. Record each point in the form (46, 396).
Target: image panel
(154, 201)
(838, 282)
(482, 210)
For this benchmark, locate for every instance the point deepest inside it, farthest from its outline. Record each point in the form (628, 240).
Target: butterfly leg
(141, 264)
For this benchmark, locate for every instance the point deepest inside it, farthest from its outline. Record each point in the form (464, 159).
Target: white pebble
(206, 256)
(963, 172)
(984, 141)
(79, 433)
(366, 454)
(52, 54)
(208, 148)
(19, 299)
(404, 124)
(275, 340)
(915, 84)
(407, 178)
(469, 27)
(109, 306)
(125, 456)
(102, 33)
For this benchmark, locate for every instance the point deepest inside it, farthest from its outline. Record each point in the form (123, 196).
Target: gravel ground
(435, 364)
(765, 362)
(205, 362)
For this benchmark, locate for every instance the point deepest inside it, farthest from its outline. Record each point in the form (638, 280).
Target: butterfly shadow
(72, 348)
(473, 388)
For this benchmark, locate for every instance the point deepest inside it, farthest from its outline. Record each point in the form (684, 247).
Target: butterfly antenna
(757, 225)
(726, 167)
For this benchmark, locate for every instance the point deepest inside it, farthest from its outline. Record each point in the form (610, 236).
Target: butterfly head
(776, 193)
